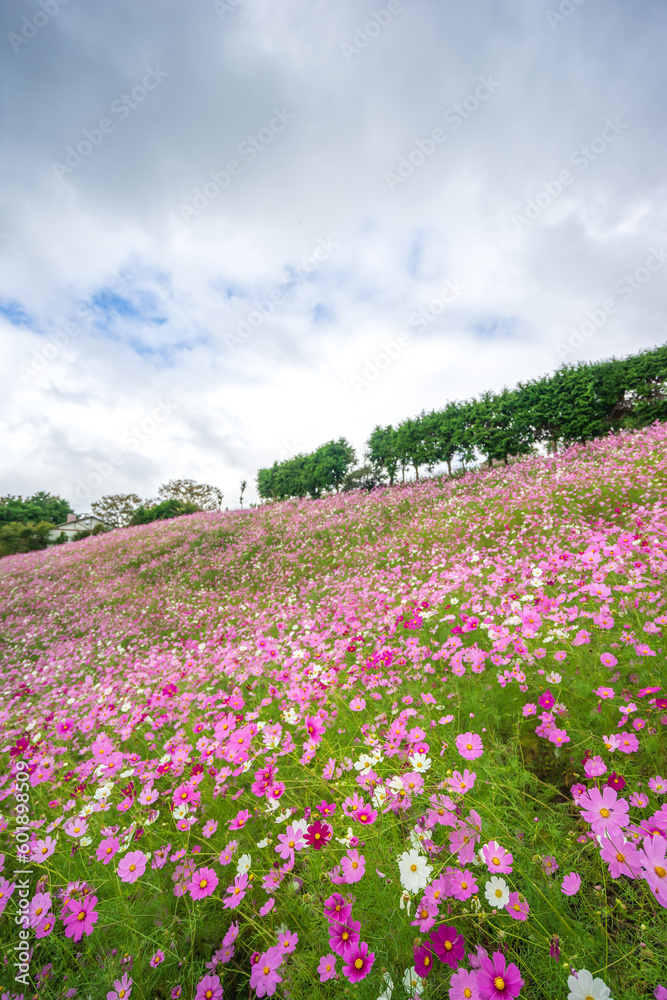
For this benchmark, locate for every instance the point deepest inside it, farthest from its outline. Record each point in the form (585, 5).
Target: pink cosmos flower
(209, 988)
(498, 860)
(359, 963)
(106, 849)
(463, 985)
(209, 828)
(558, 736)
(236, 892)
(264, 977)
(658, 785)
(606, 813)
(628, 743)
(40, 904)
(426, 914)
(45, 926)
(81, 918)
(204, 882)
(287, 942)
(462, 783)
(132, 866)
(122, 988)
(40, 850)
(639, 800)
(622, 858)
(157, 959)
(268, 906)
(571, 884)
(344, 936)
(608, 659)
(75, 827)
(529, 709)
(240, 820)
(354, 866)
(448, 945)
(327, 968)
(358, 704)
(496, 980)
(517, 907)
(462, 885)
(289, 842)
(470, 745)
(654, 865)
(595, 767)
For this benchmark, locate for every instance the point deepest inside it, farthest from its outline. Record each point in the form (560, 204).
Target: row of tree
(576, 403)
(27, 524)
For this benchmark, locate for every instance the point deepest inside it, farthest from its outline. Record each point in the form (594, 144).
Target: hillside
(424, 666)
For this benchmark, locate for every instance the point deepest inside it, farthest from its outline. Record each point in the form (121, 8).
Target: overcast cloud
(216, 216)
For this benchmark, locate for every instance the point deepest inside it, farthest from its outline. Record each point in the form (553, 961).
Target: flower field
(403, 744)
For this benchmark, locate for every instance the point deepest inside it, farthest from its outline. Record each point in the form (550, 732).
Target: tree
(411, 444)
(243, 486)
(448, 434)
(361, 479)
(162, 511)
(329, 465)
(35, 509)
(19, 536)
(201, 495)
(381, 452)
(117, 508)
(498, 433)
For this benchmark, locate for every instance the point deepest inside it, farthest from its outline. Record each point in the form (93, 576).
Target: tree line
(575, 404)
(26, 523)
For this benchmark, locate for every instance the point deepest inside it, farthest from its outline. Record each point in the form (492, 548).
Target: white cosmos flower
(380, 796)
(413, 984)
(587, 988)
(389, 987)
(395, 784)
(497, 892)
(364, 763)
(345, 840)
(554, 678)
(281, 817)
(84, 841)
(244, 864)
(415, 871)
(420, 762)
(264, 843)
(181, 811)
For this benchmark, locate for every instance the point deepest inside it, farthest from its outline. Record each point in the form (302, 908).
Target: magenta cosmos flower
(318, 834)
(496, 980)
(448, 945)
(336, 907)
(470, 745)
(132, 866)
(209, 988)
(359, 963)
(498, 860)
(264, 976)
(236, 892)
(517, 907)
(204, 882)
(423, 957)
(606, 813)
(344, 937)
(106, 849)
(462, 885)
(81, 918)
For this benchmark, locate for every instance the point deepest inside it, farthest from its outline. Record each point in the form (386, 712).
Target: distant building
(74, 523)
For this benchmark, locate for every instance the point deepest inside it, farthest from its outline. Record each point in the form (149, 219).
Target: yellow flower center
(345, 935)
(448, 945)
(291, 843)
(499, 983)
(660, 871)
(464, 885)
(413, 868)
(467, 992)
(81, 916)
(604, 812)
(266, 970)
(355, 864)
(496, 861)
(203, 883)
(358, 962)
(317, 836)
(133, 868)
(468, 746)
(427, 961)
(498, 893)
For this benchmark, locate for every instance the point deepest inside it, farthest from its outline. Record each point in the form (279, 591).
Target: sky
(232, 230)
